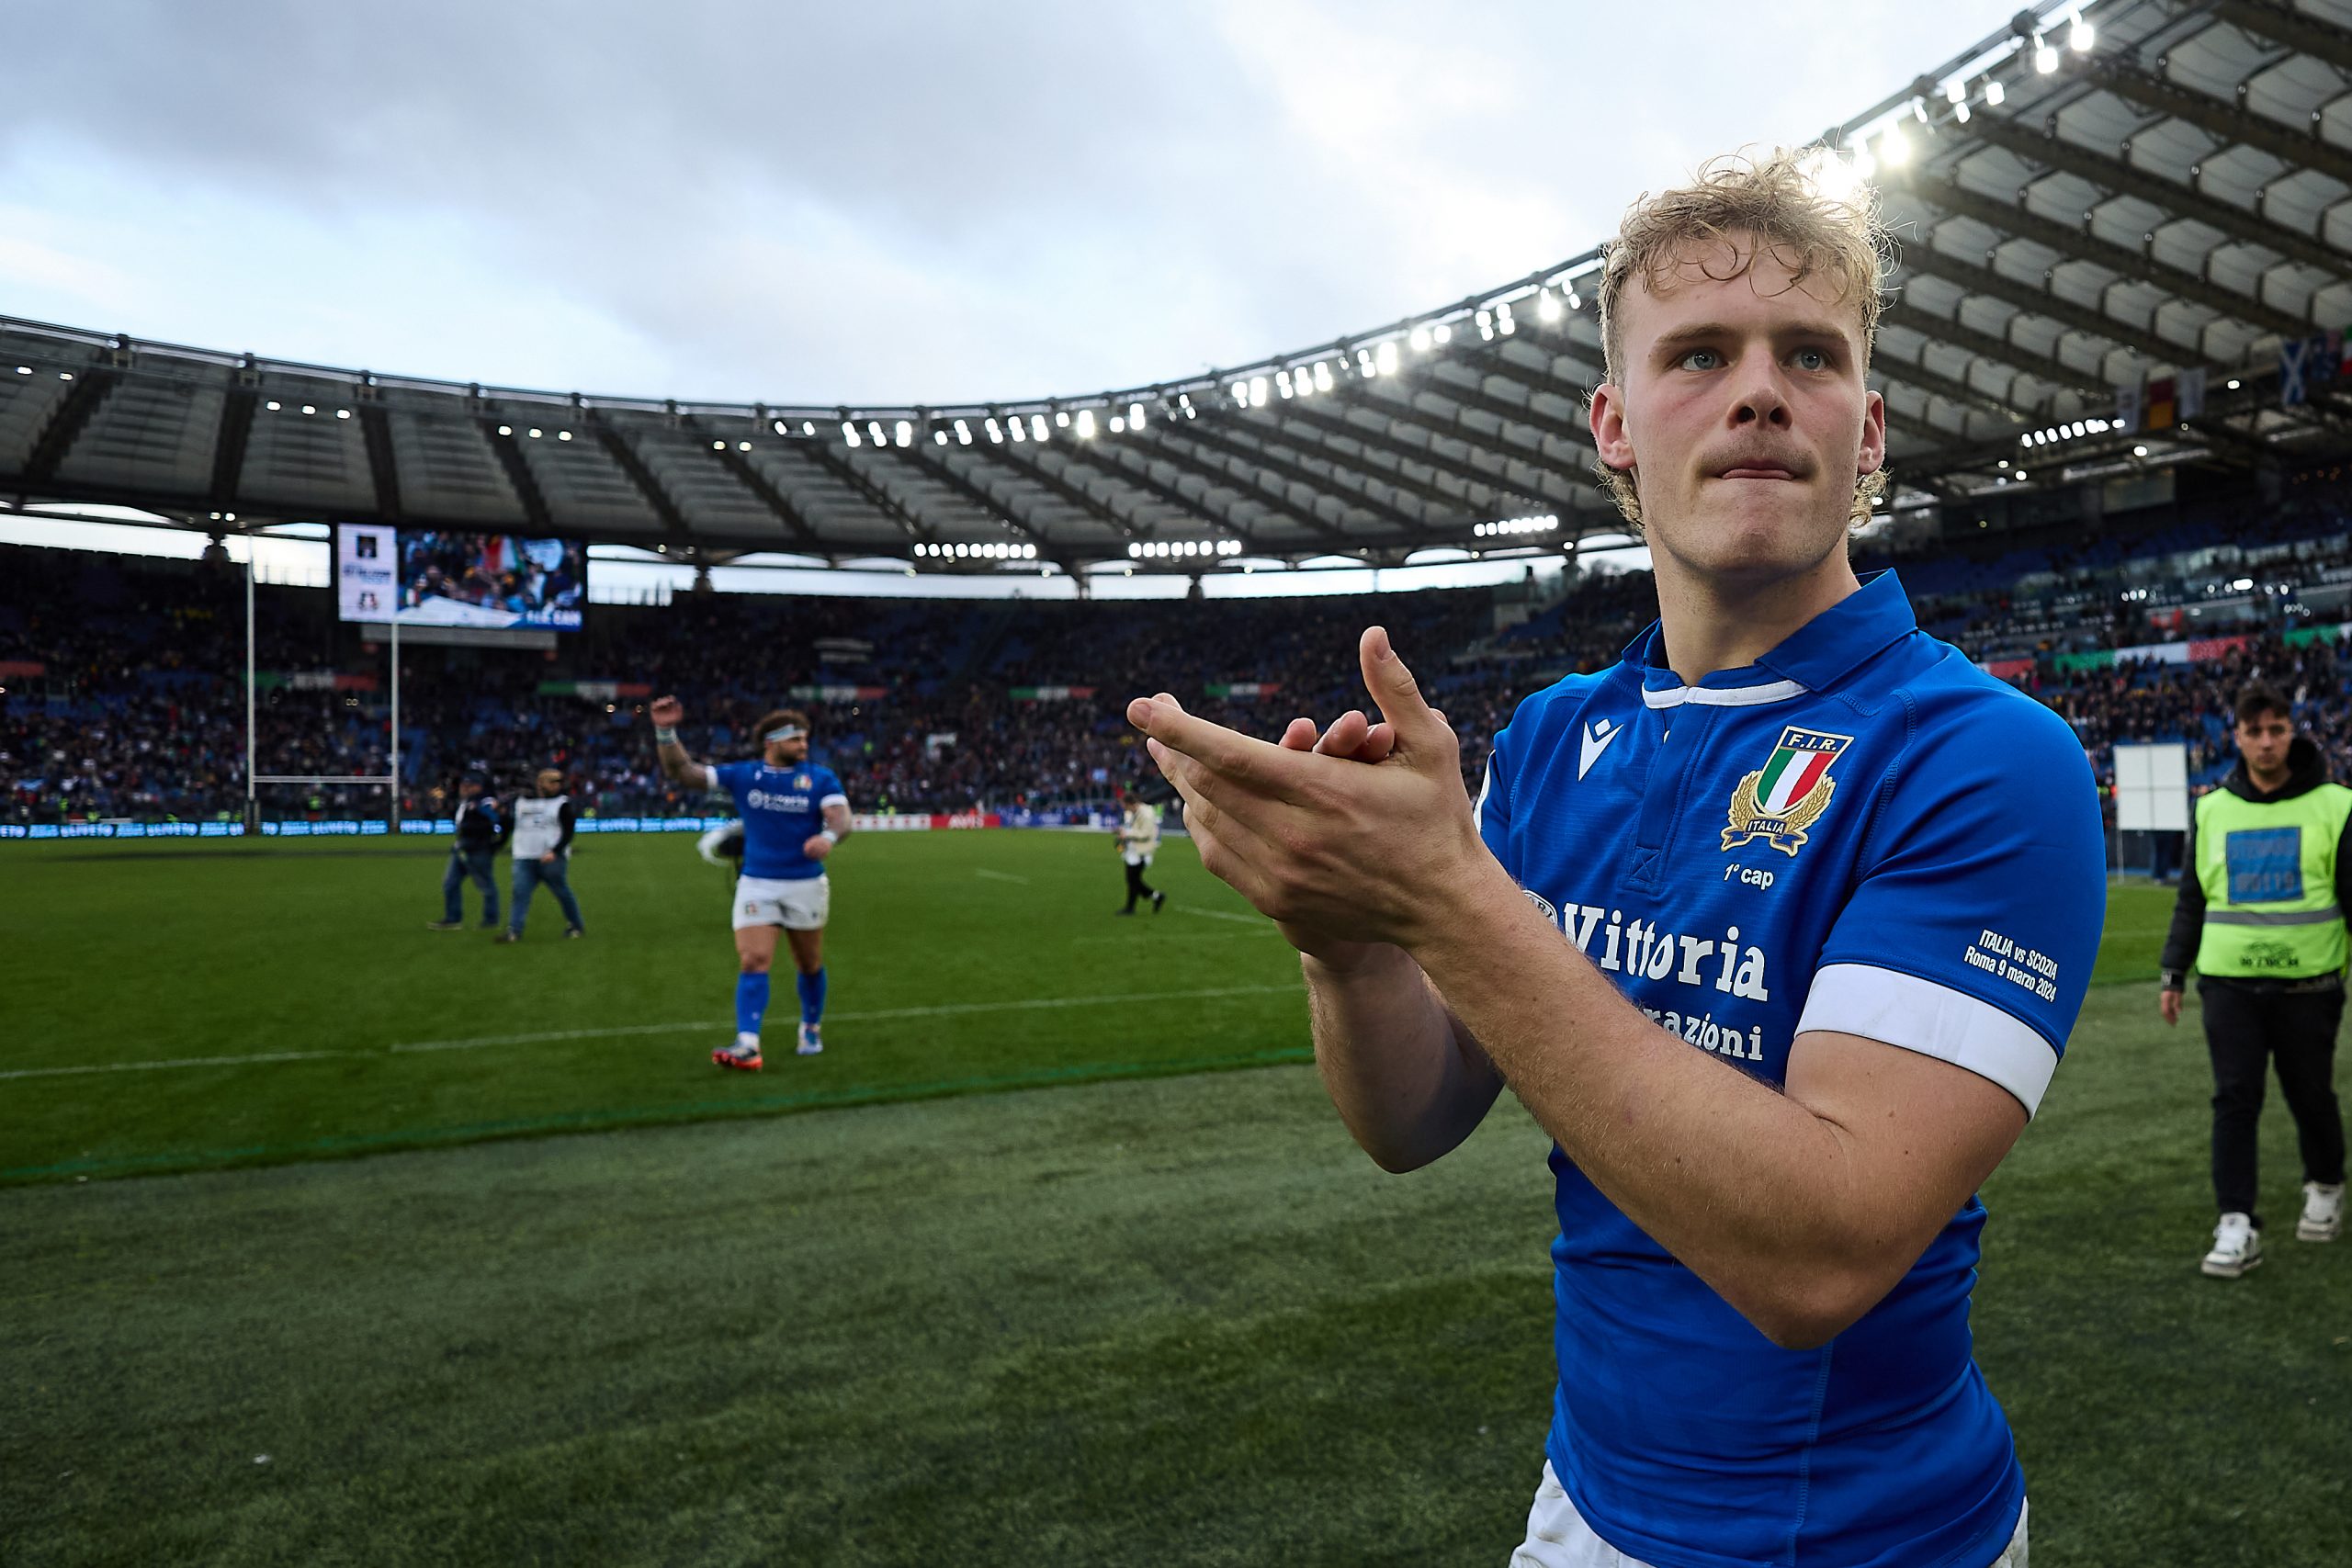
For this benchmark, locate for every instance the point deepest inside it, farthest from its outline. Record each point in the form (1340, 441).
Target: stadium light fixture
(1442, 332)
(964, 433)
(1134, 550)
(1281, 382)
(1894, 148)
(2139, 451)
(24, 369)
(2081, 35)
(1061, 418)
(849, 433)
(1547, 307)
(1086, 424)
(1323, 382)
(1119, 424)
(1037, 426)
(1385, 357)
(342, 413)
(807, 427)
(939, 438)
(273, 406)
(1020, 430)
(873, 429)
(1420, 340)
(1257, 390)
(310, 408)
(502, 430)
(1135, 416)
(2234, 386)
(905, 432)
(1486, 320)
(563, 435)
(2045, 58)
(66, 375)
(1994, 93)
(996, 431)
(777, 425)
(716, 446)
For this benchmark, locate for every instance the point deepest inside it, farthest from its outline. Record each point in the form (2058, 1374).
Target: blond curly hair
(1781, 201)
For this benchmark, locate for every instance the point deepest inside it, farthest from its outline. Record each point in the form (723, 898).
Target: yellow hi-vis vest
(2268, 873)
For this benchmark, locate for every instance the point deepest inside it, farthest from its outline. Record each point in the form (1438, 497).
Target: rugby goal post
(390, 782)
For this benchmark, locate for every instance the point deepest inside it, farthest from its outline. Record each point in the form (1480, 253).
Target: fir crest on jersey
(1783, 800)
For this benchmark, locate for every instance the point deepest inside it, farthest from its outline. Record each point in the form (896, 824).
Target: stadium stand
(125, 692)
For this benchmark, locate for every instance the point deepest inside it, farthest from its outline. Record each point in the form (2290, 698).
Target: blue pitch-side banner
(348, 827)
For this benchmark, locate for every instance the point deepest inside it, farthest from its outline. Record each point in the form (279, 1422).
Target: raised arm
(676, 766)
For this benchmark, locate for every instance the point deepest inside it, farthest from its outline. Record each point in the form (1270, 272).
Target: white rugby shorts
(1557, 1536)
(800, 904)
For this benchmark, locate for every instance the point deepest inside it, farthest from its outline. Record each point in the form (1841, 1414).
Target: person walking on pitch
(1139, 839)
(794, 813)
(482, 831)
(544, 824)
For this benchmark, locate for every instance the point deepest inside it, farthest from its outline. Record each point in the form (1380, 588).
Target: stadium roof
(2099, 197)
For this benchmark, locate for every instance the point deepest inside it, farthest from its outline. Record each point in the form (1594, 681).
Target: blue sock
(812, 998)
(751, 1001)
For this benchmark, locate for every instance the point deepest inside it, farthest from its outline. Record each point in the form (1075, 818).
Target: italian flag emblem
(1781, 800)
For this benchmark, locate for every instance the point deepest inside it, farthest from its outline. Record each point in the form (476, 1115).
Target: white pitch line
(1000, 877)
(1222, 915)
(486, 1041)
(174, 1062)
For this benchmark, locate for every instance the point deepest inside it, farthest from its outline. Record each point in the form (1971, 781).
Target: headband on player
(789, 732)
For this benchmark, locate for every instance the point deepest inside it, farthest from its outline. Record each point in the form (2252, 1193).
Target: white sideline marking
(1224, 915)
(486, 1041)
(1000, 877)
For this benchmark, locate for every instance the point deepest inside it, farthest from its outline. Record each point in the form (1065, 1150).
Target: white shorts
(1557, 1536)
(1134, 857)
(800, 905)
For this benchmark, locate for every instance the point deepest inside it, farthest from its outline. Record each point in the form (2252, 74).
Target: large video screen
(492, 580)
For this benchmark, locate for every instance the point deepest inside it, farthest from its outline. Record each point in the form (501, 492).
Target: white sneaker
(812, 1042)
(2237, 1247)
(2322, 1212)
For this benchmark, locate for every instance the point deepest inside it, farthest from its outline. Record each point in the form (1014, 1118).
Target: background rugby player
(794, 813)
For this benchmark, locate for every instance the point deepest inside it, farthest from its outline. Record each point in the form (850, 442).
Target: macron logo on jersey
(1597, 737)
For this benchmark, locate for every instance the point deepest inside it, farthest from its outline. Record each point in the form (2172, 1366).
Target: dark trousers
(2248, 1025)
(1136, 886)
(555, 876)
(469, 866)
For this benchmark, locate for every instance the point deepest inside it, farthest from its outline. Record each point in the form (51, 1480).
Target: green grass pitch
(1015, 1280)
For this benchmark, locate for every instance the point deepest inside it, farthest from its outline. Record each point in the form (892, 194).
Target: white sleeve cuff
(1934, 1021)
(832, 800)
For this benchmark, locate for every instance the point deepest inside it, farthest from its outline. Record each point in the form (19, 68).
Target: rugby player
(794, 813)
(1810, 903)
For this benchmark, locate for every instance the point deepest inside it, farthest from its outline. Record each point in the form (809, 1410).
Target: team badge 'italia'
(1780, 800)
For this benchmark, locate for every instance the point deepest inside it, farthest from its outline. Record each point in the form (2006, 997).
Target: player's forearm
(837, 822)
(674, 760)
(1754, 1192)
(1408, 1089)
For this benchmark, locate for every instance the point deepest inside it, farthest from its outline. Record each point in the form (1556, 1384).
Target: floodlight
(1385, 357)
(2081, 36)
(1322, 375)
(1420, 340)
(1086, 424)
(1547, 309)
(1994, 93)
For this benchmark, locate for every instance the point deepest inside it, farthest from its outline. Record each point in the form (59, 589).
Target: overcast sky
(869, 202)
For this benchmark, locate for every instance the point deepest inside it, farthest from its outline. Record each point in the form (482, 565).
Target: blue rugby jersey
(781, 808)
(1863, 833)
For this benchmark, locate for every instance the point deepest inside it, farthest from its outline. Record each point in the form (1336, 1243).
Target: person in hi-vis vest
(2268, 879)
(544, 824)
